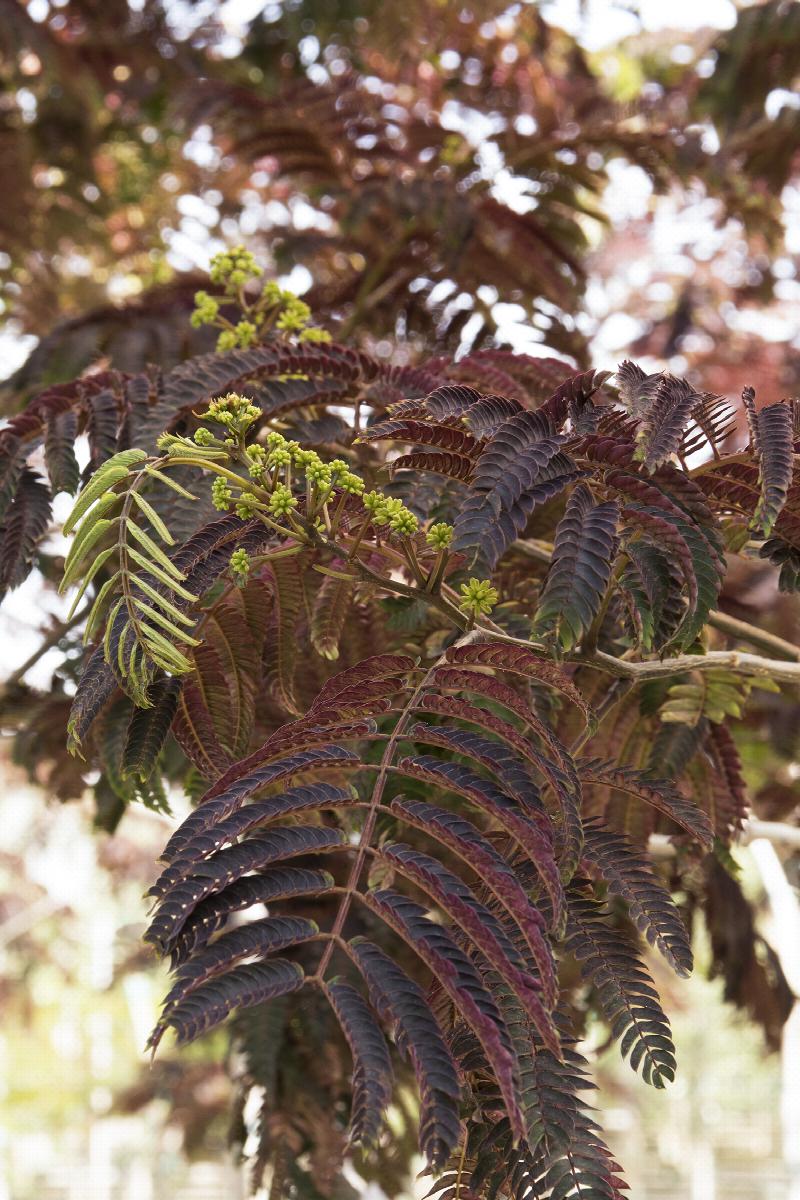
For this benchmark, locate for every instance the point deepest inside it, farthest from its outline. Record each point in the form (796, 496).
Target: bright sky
(599, 23)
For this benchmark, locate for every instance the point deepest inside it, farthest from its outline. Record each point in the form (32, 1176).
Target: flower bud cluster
(479, 597)
(233, 270)
(234, 412)
(240, 566)
(440, 536)
(389, 510)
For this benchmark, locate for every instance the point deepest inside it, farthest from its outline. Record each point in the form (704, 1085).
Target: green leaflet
(153, 615)
(162, 601)
(87, 538)
(101, 559)
(164, 478)
(111, 472)
(153, 518)
(712, 694)
(157, 573)
(147, 543)
(97, 607)
(110, 628)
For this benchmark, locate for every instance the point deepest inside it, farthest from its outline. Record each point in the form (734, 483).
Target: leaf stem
(372, 817)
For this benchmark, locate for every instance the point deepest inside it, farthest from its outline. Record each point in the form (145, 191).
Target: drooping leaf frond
(583, 558)
(771, 436)
(624, 988)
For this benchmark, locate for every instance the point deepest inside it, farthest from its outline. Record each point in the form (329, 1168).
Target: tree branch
(731, 660)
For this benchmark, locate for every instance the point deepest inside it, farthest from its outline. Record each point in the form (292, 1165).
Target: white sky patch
(600, 23)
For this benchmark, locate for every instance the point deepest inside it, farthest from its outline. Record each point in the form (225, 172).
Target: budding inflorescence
(206, 310)
(282, 473)
(389, 510)
(439, 536)
(234, 271)
(234, 268)
(281, 502)
(247, 506)
(479, 597)
(221, 494)
(234, 412)
(240, 566)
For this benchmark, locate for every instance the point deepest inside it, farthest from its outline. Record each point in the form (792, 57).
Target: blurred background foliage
(579, 179)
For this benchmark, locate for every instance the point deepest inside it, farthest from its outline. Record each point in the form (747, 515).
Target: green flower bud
(240, 565)
(221, 494)
(301, 457)
(256, 461)
(440, 535)
(478, 597)
(246, 506)
(279, 457)
(272, 292)
(233, 411)
(313, 334)
(404, 522)
(318, 472)
(246, 333)
(204, 437)
(351, 483)
(281, 501)
(294, 317)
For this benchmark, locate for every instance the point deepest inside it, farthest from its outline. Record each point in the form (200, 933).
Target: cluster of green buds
(206, 310)
(389, 510)
(221, 494)
(478, 597)
(243, 334)
(234, 412)
(288, 460)
(234, 268)
(274, 307)
(281, 470)
(439, 536)
(240, 566)
(282, 501)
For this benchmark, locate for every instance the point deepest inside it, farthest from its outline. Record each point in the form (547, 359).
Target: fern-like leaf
(628, 874)
(583, 557)
(26, 521)
(332, 606)
(372, 1073)
(624, 989)
(418, 1036)
(771, 436)
(656, 793)
(150, 726)
(240, 988)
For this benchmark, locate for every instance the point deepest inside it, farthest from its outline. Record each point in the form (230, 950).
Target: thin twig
(51, 640)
